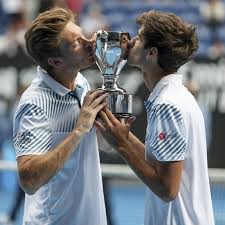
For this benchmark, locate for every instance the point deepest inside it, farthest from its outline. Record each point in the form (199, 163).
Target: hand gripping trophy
(110, 51)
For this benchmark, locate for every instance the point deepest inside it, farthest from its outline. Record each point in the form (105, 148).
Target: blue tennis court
(127, 203)
(126, 197)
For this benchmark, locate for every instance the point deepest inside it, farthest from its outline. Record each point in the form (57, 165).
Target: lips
(90, 55)
(90, 51)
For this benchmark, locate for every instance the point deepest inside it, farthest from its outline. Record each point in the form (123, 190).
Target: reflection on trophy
(110, 52)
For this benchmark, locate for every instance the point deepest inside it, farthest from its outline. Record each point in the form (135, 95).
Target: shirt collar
(165, 81)
(50, 82)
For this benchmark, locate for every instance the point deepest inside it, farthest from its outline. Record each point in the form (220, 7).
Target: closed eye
(76, 43)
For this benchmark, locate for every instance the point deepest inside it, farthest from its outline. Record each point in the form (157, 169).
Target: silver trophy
(111, 49)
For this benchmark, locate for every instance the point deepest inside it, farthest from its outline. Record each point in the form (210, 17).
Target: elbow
(168, 190)
(166, 193)
(28, 189)
(27, 183)
(169, 197)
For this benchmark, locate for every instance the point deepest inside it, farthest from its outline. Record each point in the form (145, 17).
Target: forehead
(71, 32)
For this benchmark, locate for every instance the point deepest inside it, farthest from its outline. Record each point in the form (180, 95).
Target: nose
(88, 43)
(89, 46)
(132, 42)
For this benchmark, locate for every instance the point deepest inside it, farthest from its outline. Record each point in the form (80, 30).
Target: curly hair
(43, 36)
(175, 39)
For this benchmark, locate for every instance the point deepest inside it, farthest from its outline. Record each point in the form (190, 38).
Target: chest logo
(162, 136)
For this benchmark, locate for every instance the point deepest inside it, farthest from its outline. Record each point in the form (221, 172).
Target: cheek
(136, 53)
(77, 55)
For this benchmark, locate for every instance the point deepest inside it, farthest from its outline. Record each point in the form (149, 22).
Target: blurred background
(204, 76)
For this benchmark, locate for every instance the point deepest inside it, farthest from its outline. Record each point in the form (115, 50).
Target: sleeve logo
(162, 136)
(23, 138)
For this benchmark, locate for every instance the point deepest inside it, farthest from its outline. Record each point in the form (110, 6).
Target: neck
(65, 78)
(153, 77)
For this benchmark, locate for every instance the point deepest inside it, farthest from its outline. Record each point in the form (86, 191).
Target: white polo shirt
(46, 113)
(176, 132)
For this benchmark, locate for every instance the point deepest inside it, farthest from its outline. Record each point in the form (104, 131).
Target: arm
(36, 170)
(163, 178)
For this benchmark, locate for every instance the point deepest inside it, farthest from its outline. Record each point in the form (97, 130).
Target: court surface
(127, 203)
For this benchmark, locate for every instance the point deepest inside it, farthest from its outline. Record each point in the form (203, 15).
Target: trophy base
(120, 104)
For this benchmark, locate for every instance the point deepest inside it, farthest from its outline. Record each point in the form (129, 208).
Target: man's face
(137, 53)
(75, 49)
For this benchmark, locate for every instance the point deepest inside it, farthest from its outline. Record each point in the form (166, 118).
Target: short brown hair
(43, 36)
(175, 39)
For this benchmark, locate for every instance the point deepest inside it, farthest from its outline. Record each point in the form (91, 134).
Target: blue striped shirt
(176, 132)
(46, 114)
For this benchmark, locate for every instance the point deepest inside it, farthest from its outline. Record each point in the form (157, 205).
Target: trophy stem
(109, 84)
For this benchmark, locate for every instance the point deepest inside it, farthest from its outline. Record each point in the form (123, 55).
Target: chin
(131, 62)
(91, 61)
(88, 64)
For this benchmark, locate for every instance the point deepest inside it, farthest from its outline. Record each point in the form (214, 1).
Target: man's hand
(94, 101)
(115, 131)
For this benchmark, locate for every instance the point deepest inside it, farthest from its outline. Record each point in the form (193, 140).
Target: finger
(111, 117)
(105, 119)
(91, 95)
(99, 100)
(96, 93)
(90, 92)
(122, 120)
(130, 121)
(87, 95)
(100, 106)
(99, 126)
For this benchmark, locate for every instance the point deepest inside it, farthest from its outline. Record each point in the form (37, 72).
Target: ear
(55, 62)
(152, 52)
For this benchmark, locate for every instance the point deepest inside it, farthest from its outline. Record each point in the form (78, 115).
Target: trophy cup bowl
(111, 51)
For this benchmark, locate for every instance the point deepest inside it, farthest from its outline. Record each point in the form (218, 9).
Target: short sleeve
(166, 139)
(32, 132)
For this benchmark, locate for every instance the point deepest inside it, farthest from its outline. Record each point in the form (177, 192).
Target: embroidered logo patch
(162, 136)
(23, 138)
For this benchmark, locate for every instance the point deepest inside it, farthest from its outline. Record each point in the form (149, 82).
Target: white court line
(121, 171)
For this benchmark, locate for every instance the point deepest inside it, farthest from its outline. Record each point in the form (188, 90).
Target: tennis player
(56, 146)
(173, 160)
